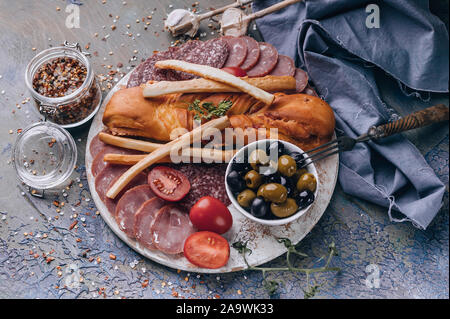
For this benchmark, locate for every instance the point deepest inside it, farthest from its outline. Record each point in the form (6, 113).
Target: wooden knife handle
(430, 115)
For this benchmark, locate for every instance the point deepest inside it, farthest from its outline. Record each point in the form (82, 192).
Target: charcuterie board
(261, 239)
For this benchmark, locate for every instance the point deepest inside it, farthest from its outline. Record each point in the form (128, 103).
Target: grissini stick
(269, 83)
(128, 143)
(185, 139)
(192, 155)
(217, 75)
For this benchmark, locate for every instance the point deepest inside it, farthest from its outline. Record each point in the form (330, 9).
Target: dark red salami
(128, 206)
(180, 53)
(285, 66)
(204, 181)
(96, 146)
(170, 229)
(144, 219)
(252, 53)
(301, 79)
(237, 51)
(147, 71)
(268, 58)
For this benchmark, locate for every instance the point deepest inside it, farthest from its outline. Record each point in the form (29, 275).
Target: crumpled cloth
(331, 41)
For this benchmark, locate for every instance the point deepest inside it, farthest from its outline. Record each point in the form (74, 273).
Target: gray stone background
(42, 256)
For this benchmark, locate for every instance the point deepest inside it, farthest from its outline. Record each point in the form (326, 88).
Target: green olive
(307, 182)
(257, 158)
(287, 165)
(246, 197)
(300, 172)
(285, 209)
(253, 179)
(273, 192)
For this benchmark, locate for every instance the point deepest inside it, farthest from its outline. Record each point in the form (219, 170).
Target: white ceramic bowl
(261, 145)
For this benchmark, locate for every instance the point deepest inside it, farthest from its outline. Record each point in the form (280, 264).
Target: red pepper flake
(174, 293)
(73, 225)
(112, 256)
(217, 296)
(56, 203)
(78, 240)
(52, 142)
(49, 259)
(145, 283)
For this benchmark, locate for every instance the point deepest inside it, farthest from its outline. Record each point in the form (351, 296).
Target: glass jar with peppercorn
(63, 86)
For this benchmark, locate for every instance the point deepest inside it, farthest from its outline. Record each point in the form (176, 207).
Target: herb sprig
(207, 110)
(272, 286)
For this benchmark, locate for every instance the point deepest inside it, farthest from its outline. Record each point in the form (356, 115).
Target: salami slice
(301, 78)
(170, 229)
(181, 53)
(147, 71)
(252, 53)
(268, 58)
(144, 219)
(237, 51)
(285, 66)
(128, 206)
(203, 179)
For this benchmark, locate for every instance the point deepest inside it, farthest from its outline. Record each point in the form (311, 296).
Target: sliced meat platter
(151, 220)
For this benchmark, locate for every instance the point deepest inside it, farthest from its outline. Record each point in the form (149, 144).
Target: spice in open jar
(63, 86)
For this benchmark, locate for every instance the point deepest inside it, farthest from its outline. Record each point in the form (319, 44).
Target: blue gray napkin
(331, 41)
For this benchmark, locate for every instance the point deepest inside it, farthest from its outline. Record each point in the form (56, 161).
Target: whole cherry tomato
(211, 214)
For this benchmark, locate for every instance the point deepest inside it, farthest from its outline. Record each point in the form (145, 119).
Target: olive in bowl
(268, 185)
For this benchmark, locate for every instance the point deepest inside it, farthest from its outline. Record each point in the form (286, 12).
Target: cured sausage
(170, 229)
(237, 51)
(301, 77)
(252, 53)
(285, 66)
(268, 58)
(128, 206)
(144, 219)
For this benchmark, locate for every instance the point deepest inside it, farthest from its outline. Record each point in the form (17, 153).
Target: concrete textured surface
(43, 254)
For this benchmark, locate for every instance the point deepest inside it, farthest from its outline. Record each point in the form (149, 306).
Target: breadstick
(268, 83)
(205, 154)
(129, 143)
(187, 138)
(217, 75)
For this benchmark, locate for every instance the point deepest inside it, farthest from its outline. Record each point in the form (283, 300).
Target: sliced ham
(252, 53)
(285, 66)
(237, 51)
(301, 79)
(107, 177)
(170, 229)
(98, 163)
(144, 219)
(129, 204)
(96, 146)
(268, 59)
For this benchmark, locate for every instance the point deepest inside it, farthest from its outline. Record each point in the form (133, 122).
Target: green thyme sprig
(271, 286)
(207, 110)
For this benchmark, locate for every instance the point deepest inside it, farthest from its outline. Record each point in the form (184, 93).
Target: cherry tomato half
(211, 214)
(236, 71)
(207, 250)
(168, 183)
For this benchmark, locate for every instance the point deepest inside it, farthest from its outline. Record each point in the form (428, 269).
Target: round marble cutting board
(261, 239)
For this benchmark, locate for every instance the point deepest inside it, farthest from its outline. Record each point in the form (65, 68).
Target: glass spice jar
(63, 85)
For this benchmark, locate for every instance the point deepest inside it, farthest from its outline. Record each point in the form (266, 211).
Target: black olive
(304, 198)
(298, 158)
(235, 181)
(286, 182)
(276, 149)
(260, 208)
(272, 178)
(240, 165)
